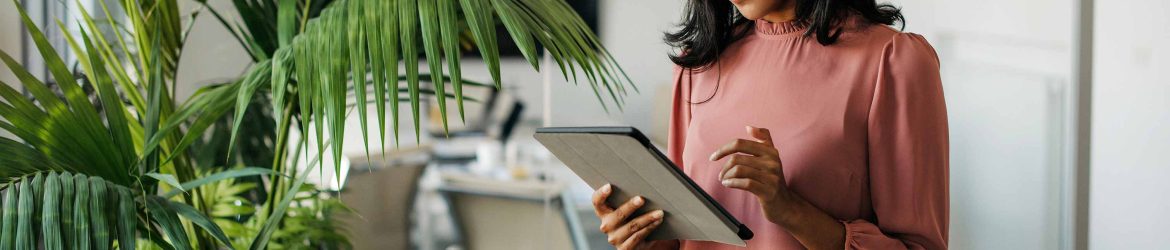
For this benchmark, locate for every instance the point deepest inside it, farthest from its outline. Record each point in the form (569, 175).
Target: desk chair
(383, 199)
(497, 215)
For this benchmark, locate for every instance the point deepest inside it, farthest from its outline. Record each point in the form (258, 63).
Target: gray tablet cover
(624, 157)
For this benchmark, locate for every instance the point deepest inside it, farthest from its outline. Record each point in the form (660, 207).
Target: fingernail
(638, 200)
(713, 155)
(657, 214)
(606, 188)
(726, 183)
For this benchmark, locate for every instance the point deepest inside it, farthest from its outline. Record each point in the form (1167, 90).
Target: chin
(751, 15)
(754, 9)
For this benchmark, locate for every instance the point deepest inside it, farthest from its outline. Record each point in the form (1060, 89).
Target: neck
(784, 13)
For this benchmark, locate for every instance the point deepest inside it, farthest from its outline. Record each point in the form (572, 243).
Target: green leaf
(84, 116)
(60, 72)
(25, 236)
(285, 21)
(214, 102)
(43, 94)
(219, 176)
(408, 28)
(27, 117)
(281, 64)
(115, 115)
(482, 25)
(511, 17)
(51, 213)
(8, 236)
(67, 199)
(247, 90)
(428, 14)
(155, 93)
(261, 240)
(358, 54)
(98, 211)
(168, 220)
(449, 28)
(168, 179)
(38, 182)
(83, 149)
(335, 85)
(374, 38)
(391, 45)
(199, 219)
(127, 211)
(20, 159)
(158, 239)
(81, 215)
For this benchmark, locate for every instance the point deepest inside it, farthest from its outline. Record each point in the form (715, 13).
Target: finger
(743, 160)
(751, 185)
(639, 237)
(623, 233)
(761, 134)
(745, 172)
(617, 217)
(599, 198)
(744, 146)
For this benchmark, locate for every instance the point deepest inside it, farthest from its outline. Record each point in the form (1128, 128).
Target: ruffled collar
(779, 29)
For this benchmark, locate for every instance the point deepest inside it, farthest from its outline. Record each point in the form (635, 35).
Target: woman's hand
(625, 233)
(755, 166)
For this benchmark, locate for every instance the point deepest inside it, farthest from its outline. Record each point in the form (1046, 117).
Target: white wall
(211, 55)
(1131, 126)
(1006, 77)
(9, 43)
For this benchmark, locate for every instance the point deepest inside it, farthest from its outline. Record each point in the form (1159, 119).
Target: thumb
(760, 134)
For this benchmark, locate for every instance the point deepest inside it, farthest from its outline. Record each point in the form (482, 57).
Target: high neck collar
(779, 29)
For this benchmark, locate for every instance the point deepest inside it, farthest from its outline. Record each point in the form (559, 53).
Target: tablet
(622, 156)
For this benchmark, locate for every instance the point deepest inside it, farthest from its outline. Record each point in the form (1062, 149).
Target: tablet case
(622, 156)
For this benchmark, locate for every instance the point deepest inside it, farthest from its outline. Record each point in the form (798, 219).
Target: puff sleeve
(680, 115)
(908, 152)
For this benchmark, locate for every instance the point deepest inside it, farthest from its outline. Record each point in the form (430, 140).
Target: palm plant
(129, 175)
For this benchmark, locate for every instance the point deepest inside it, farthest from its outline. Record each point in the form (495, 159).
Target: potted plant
(127, 165)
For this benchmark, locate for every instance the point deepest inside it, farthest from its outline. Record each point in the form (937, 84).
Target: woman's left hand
(754, 165)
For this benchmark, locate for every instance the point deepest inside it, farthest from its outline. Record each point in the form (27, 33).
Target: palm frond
(74, 211)
(51, 213)
(79, 177)
(351, 35)
(97, 213)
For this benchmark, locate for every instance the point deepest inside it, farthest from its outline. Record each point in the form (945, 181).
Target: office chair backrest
(493, 215)
(383, 199)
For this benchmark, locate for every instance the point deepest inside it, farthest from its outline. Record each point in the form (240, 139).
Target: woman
(846, 133)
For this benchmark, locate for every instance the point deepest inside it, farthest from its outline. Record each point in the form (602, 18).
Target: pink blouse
(861, 127)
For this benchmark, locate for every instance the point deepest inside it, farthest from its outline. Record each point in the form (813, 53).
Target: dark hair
(709, 26)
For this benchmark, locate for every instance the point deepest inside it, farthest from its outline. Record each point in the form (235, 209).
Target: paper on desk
(635, 170)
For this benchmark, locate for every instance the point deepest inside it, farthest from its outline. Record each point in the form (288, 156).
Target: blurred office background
(1025, 168)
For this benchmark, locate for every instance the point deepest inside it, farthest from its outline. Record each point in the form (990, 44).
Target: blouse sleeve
(908, 153)
(680, 116)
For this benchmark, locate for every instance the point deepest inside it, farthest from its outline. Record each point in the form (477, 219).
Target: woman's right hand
(625, 233)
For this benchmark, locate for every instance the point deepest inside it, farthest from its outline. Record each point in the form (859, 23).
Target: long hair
(709, 26)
